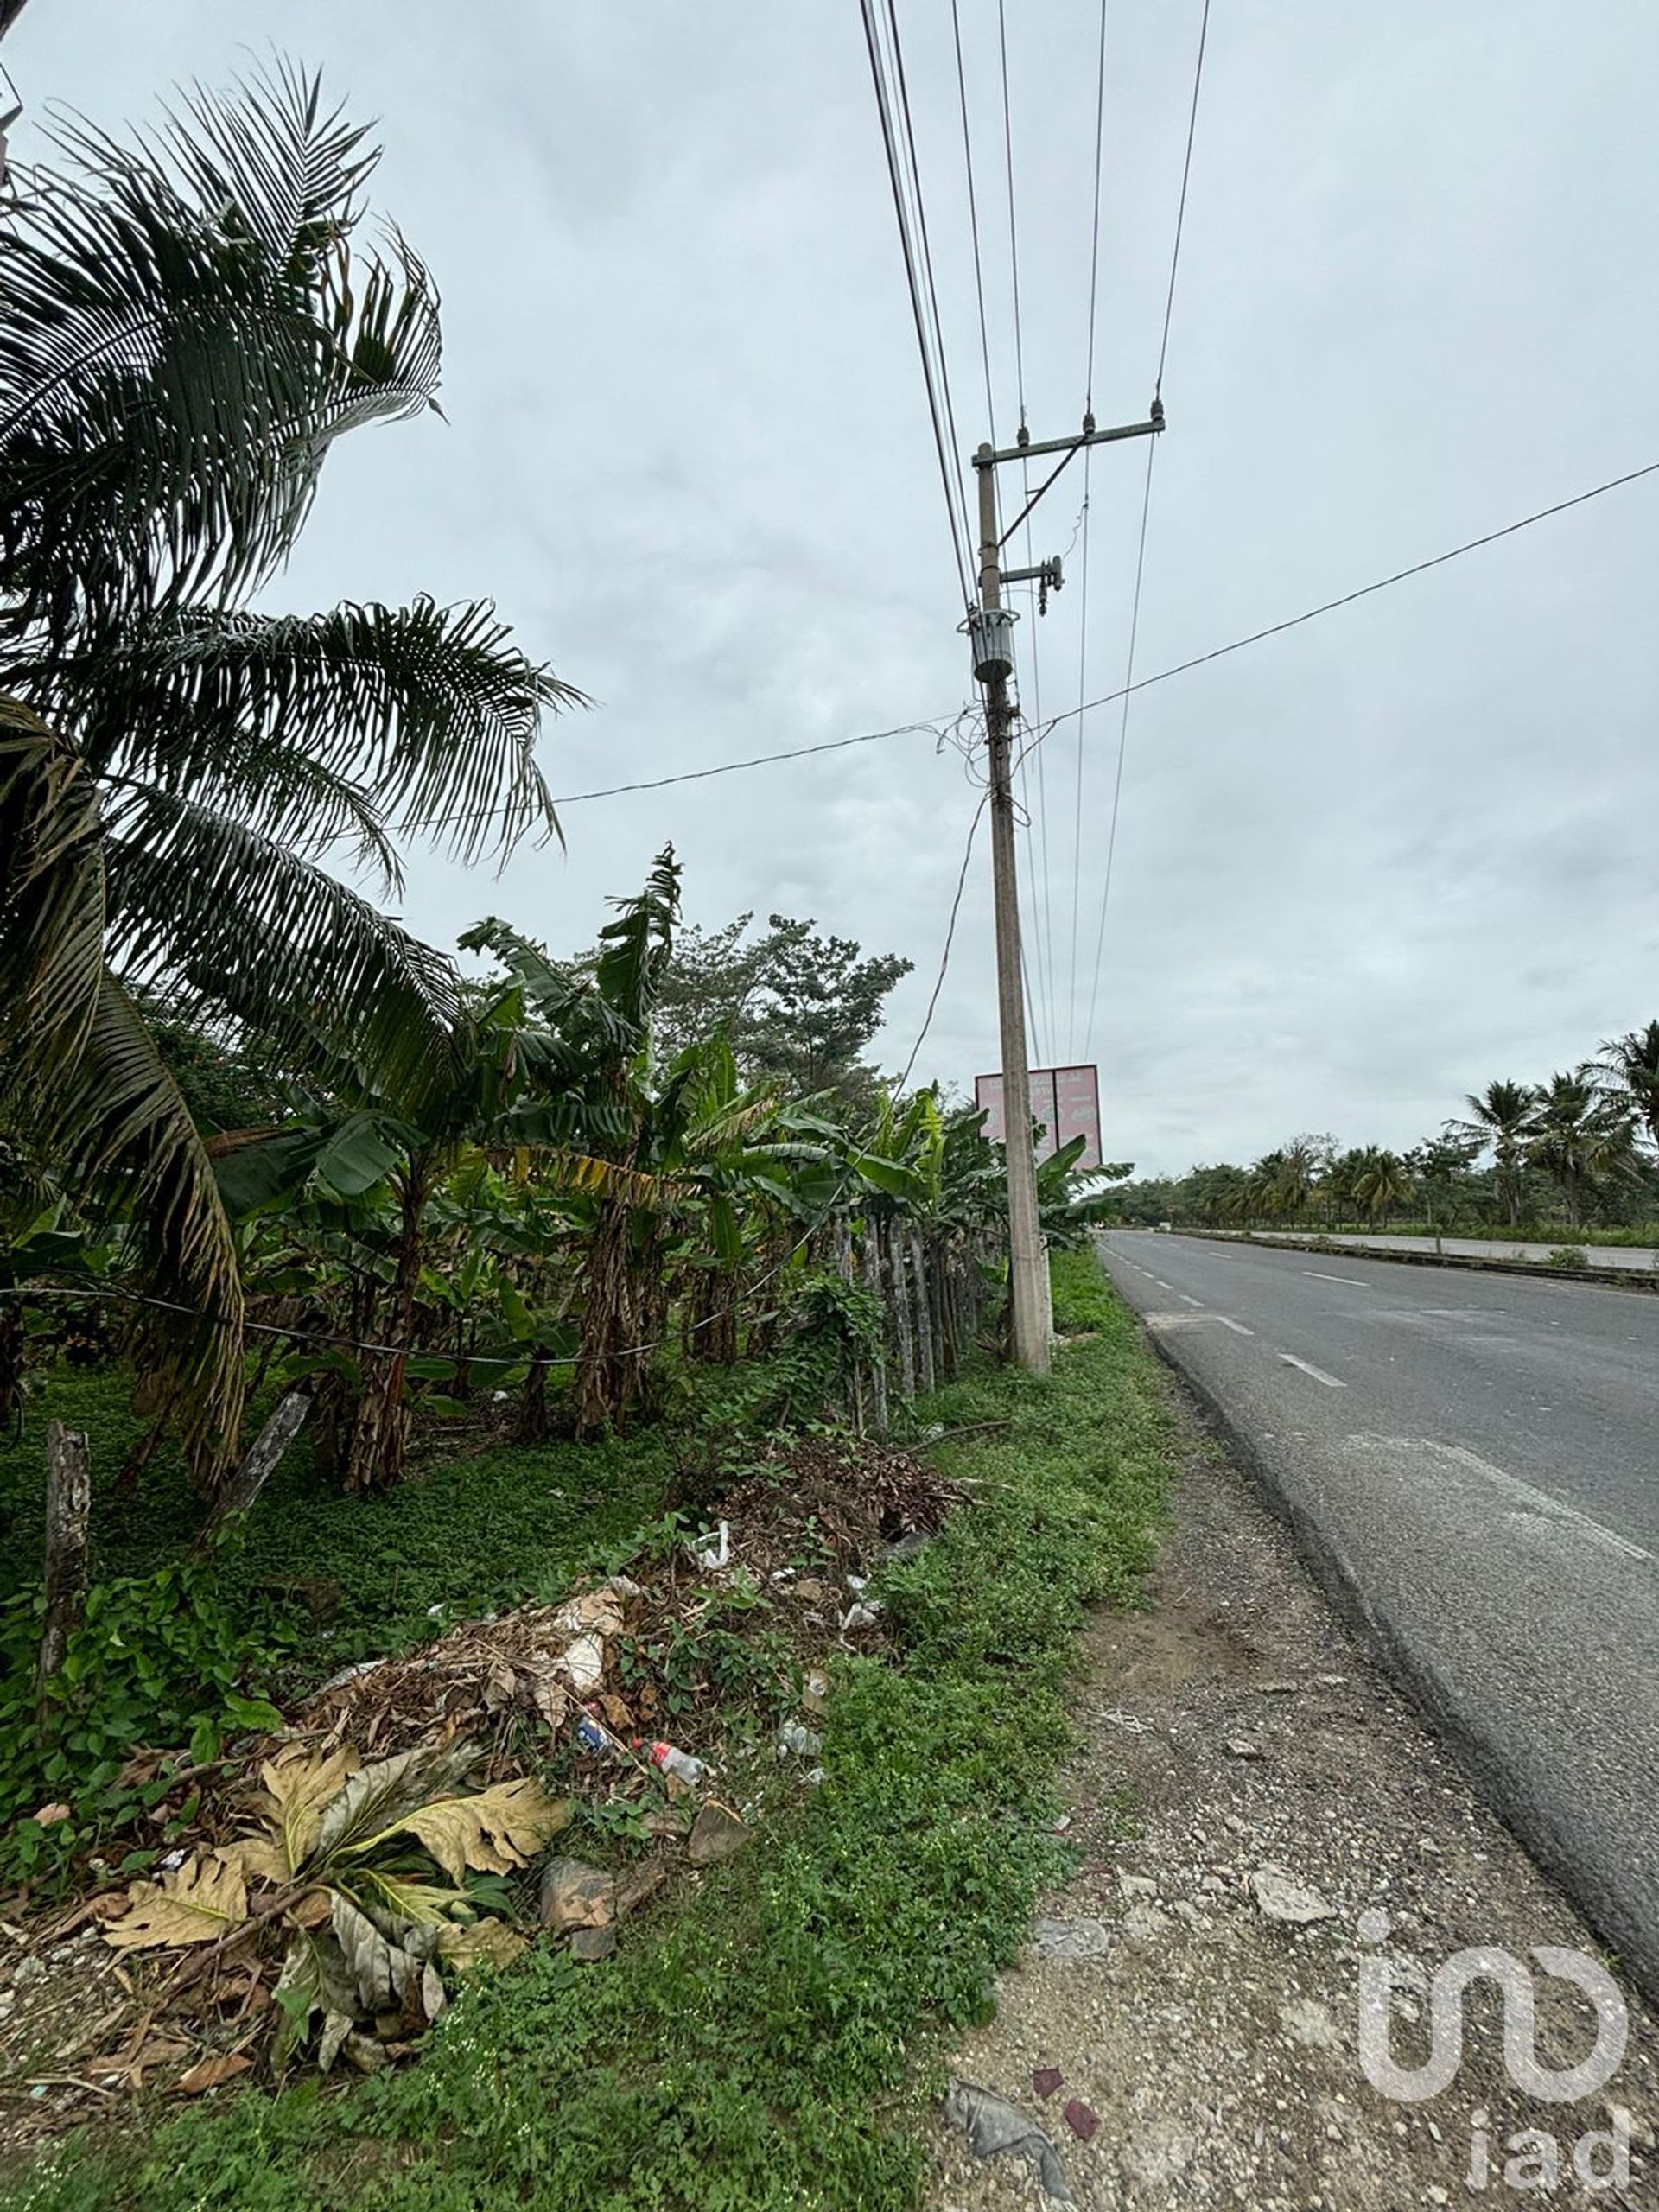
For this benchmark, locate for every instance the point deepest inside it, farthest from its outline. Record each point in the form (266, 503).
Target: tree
(1382, 1183)
(1500, 1116)
(1628, 1077)
(187, 331)
(817, 1005)
(1580, 1139)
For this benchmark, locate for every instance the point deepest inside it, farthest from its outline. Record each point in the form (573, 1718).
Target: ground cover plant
(763, 2040)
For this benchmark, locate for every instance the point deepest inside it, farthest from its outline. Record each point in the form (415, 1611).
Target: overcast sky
(1360, 869)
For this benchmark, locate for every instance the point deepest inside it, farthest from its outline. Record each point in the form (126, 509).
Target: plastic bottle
(680, 1765)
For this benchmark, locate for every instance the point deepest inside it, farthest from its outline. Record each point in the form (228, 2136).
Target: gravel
(1216, 2037)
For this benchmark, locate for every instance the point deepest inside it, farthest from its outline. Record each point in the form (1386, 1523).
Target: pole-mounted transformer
(990, 634)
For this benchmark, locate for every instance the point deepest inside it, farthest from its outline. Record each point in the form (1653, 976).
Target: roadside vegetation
(1580, 1153)
(764, 2037)
(455, 1400)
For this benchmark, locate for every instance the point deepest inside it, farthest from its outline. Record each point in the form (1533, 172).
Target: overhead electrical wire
(1146, 502)
(1088, 458)
(1041, 998)
(1094, 246)
(1365, 591)
(1013, 233)
(950, 939)
(1036, 818)
(1180, 211)
(938, 728)
(973, 222)
(931, 382)
(915, 172)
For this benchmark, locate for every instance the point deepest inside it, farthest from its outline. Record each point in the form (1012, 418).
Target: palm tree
(1500, 1116)
(1382, 1183)
(1628, 1074)
(1579, 1138)
(188, 330)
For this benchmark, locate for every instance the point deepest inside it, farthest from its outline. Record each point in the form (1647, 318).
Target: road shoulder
(1235, 1727)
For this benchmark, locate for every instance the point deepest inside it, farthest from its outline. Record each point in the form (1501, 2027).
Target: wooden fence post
(927, 1375)
(879, 1359)
(239, 1494)
(69, 1509)
(901, 1315)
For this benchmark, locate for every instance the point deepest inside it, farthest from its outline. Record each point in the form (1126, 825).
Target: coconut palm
(1628, 1074)
(1382, 1182)
(1579, 1138)
(188, 328)
(1500, 1116)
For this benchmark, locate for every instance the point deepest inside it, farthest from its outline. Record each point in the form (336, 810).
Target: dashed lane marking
(1318, 1373)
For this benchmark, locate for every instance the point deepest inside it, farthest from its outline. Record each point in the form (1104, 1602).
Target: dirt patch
(1243, 1758)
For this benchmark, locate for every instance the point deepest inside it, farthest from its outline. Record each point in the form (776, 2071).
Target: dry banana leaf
(204, 1900)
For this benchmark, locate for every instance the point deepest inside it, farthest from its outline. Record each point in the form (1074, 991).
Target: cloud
(1359, 870)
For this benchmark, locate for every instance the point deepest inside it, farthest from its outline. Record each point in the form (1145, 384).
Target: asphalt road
(1472, 1465)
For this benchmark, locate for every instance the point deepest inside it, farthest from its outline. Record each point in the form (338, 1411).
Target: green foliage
(157, 1661)
(1568, 1255)
(322, 1578)
(770, 2044)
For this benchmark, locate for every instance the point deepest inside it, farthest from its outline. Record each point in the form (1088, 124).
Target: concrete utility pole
(991, 628)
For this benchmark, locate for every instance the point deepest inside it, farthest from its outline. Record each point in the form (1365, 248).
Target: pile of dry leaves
(342, 1876)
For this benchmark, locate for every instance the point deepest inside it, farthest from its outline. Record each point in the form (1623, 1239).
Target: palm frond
(430, 712)
(259, 932)
(51, 898)
(186, 334)
(116, 1122)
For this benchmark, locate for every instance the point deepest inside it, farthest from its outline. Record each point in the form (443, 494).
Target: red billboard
(1065, 1103)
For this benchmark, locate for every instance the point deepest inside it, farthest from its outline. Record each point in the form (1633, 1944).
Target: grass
(769, 2044)
(323, 1578)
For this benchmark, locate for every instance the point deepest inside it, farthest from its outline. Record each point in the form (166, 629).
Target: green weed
(767, 2044)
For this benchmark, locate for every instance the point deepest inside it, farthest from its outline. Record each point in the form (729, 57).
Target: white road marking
(1237, 1328)
(1353, 1282)
(1318, 1373)
(1161, 1284)
(1523, 1493)
(1198, 1302)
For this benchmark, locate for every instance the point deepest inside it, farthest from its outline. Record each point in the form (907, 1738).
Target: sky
(1359, 870)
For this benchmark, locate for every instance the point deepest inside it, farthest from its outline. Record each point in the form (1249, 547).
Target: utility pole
(991, 630)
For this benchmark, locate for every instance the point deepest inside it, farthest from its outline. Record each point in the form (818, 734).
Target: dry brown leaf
(484, 1942)
(258, 1858)
(599, 1613)
(496, 1831)
(551, 1702)
(210, 2072)
(311, 1911)
(299, 1786)
(204, 1900)
(49, 1815)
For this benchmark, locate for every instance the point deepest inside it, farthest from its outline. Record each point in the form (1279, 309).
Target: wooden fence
(934, 1292)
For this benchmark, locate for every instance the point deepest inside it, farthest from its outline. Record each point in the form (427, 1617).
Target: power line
(1145, 497)
(1347, 598)
(1076, 820)
(1014, 234)
(973, 222)
(1094, 248)
(936, 729)
(1180, 212)
(915, 174)
(1122, 747)
(890, 148)
(949, 940)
